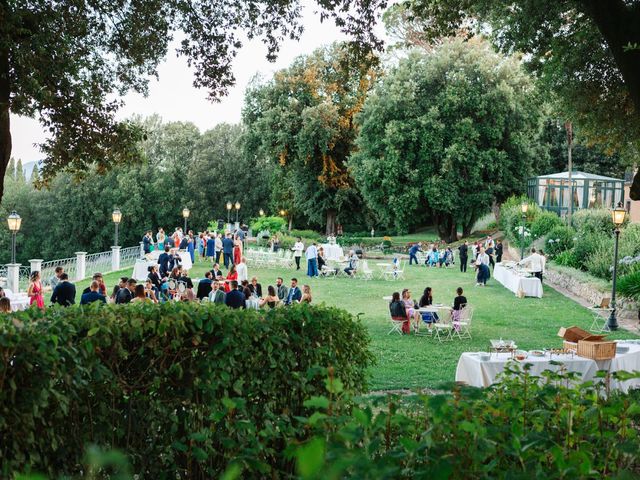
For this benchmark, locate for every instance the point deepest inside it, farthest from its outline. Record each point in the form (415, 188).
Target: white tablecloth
(19, 301)
(475, 372)
(531, 286)
(332, 252)
(141, 267)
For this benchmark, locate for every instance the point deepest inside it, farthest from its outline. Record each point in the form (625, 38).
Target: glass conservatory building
(552, 191)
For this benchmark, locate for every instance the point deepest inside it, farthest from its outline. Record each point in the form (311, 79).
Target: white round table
(332, 252)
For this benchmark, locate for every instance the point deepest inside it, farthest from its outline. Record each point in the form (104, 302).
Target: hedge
(181, 389)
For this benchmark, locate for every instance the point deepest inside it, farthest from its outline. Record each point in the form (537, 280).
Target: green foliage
(544, 223)
(585, 245)
(446, 149)
(183, 389)
(600, 262)
(559, 239)
(629, 285)
(271, 224)
(568, 258)
(596, 220)
(511, 219)
(308, 234)
(524, 427)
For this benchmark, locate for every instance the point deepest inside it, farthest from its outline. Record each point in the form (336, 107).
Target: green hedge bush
(596, 220)
(544, 223)
(183, 389)
(525, 427)
(272, 224)
(558, 240)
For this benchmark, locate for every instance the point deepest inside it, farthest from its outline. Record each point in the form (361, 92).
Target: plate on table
(537, 353)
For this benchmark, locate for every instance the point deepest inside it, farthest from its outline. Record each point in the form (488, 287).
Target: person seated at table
(434, 257)
(410, 307)
(216, 272)
(398, 312)
(306, 294)
(232, 276)
(250, 300)
(5, 305)
(150, 292)
(255, 287)
(204, 286)
(458, 304)
(121, 284)
(184, 278)
(140, 295)
(352, 267)
(177, 259)
(217, 293)
(234, 297)
(271, 300)
(125, 294)
(93, 295)
(426, 300)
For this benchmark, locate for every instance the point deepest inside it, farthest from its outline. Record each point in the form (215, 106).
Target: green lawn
(409, 361)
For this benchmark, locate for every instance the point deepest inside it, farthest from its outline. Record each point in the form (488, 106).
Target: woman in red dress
(232, 275)
(35, 290)
(237, 252)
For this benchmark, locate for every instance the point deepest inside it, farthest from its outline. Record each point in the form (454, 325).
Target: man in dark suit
(65, 292)
(235, 298)
(217, 293)
(146, 243)
(93, 295)
(295, 294)
(165, 260)
(282, 289)
(125, 295)
(204, 286)
(227, 250)
(216, 273)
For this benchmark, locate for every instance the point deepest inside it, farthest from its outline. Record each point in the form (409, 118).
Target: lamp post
(116, 216)
(524, 207)
(617, 215)
(185, 215)
(261, 212)
(229, 206)
(14, 221)
(237, 210)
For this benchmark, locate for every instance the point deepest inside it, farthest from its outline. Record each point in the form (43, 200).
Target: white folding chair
(366, 273)
(462, 326)
(443, 329)
(396, 326)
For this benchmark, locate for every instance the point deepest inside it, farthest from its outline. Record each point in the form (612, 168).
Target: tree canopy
(64, 62)
(585, 51)
(444, 135)
(303, 121)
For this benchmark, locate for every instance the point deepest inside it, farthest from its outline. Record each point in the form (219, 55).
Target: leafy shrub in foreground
(544, 223)
(525, 427)
(558, 240)
(182, 389)
(592, 220)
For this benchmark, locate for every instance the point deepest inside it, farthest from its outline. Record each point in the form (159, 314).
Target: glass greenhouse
(551, 192)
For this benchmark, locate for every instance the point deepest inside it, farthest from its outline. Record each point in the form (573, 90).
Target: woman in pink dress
(35, 290)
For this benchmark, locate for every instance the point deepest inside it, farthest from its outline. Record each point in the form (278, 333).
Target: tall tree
(65, 62)
(303, 120)
(445, 135)
(586, 51)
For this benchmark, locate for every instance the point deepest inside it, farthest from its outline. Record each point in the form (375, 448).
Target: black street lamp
(237, 210)
(261, 212)
(14, 221)
(185, 215)
(617, 215)
(229, 207)
(524, 207)
(116, 216)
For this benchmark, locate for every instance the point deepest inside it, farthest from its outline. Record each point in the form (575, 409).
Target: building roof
(576, 175)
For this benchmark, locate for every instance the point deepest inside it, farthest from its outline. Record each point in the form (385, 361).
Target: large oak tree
(586, 51)
(68, 62)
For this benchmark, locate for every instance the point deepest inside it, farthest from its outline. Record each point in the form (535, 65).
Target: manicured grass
(421, 362)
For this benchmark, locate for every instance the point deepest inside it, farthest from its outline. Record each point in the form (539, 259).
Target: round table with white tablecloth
(19, 301)
(141, 267)
(332, 251)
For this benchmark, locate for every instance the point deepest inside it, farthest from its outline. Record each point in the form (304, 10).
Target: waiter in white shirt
(298, 248)
(536, 263)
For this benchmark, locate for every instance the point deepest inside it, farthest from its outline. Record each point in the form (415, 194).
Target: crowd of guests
(405, 309)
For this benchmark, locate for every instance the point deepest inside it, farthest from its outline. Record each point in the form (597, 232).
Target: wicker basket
(597, 350)
(570, 345)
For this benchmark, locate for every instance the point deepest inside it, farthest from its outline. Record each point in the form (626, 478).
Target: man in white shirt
(298, 248)
(482, 262)
(536, 263)
(241, 268)
(312, 260)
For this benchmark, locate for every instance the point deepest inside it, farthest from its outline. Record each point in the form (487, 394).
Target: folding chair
(443, 329)
(462, 326)
(396, 326)
(366, 273)
(601, 314)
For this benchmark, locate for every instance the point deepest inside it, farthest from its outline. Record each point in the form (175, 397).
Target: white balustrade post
(81, 265)
(36, 265)
(141, 249)
(13, 277)
(115, 259)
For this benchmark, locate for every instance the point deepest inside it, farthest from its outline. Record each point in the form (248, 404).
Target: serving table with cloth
(332, 251)
(141, 267)
(19, 301)
(476, 372)
(517, 281)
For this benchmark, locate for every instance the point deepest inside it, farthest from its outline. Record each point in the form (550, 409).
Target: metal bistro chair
(443, 329)
(601, 313)
(366, 273)
(462, 325)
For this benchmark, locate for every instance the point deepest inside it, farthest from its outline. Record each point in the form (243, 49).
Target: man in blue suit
(227, 249)
(65, 292)
(165, 260)
(295, 294)
(235, 298)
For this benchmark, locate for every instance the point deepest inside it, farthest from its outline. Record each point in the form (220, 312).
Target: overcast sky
(173, 96)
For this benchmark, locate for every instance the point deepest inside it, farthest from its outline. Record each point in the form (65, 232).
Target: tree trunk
(331, 222)
(466, 229)
(495, 208)
(290, 222)
(445, 227)
(5, 124)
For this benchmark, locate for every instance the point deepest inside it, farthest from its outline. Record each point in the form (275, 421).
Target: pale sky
(174, 98)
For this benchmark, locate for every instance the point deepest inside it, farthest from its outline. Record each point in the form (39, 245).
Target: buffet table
(332, 251)
(475, 371)
(516, 282)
